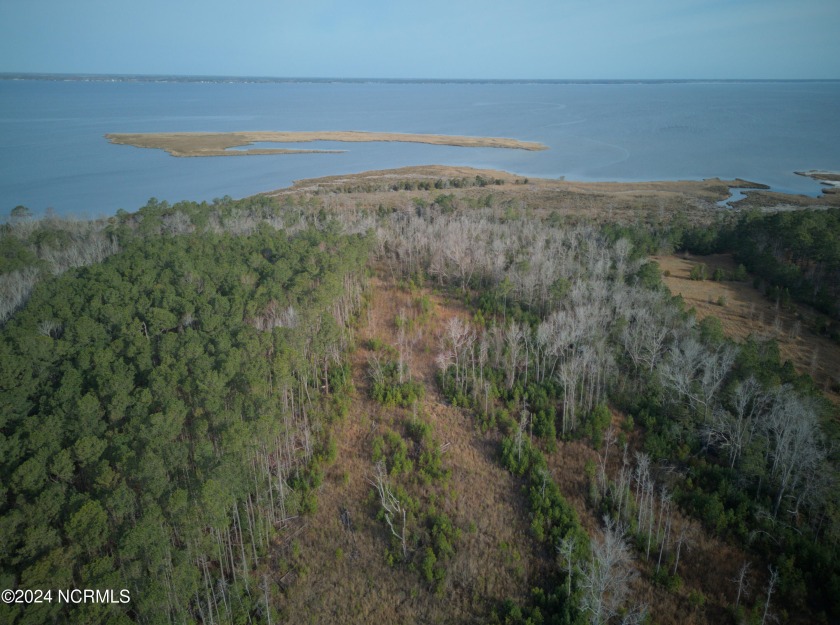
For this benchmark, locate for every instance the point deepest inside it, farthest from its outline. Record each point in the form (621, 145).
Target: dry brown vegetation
(744, 311)
(707, 566)
(621, 202)
(626, 202)
(342, 574)
(336, 573)
(217, 143)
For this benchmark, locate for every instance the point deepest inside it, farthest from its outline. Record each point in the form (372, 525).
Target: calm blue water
(53, 154)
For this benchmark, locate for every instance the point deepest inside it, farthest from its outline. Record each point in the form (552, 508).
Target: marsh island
(220, 143)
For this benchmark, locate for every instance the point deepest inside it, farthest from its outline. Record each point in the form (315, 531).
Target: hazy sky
(429, 39)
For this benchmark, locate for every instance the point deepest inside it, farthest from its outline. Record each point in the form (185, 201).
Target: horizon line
(144, 77)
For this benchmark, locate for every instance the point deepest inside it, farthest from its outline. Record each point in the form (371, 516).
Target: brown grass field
(743, 311)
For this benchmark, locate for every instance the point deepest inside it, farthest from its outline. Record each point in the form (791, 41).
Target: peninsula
(219, 143)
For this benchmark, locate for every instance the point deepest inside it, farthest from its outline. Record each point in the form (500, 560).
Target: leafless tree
(84, 248)
(637, 615)
(514, 343)
(682, 540)
(715, 369)
(621, 257)
(609, 441)
(15, 288)
(663, 534)
(568, 375)
(796, 450)
(644, 339)
(734, 430)
(682, 367)
(643, 480)
(695, 373)
(566, 550)
(395, 512)
(460, 337)
(275, 316)
(49, 328)
(771, 587)
(605, 580)
(622, 486)
(524, 422)
(459, 253)
(742, 582)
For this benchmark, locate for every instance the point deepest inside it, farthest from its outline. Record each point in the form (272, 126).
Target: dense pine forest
(184, 388)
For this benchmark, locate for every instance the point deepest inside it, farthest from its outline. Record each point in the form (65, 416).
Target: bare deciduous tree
(15, 288)
(682, 539)
(644, 339)
(734, 430)
(395, 512)
(771, 587)
(695, 373)
(795, 449)
(605, 580)
(742, 582)
(566, 550)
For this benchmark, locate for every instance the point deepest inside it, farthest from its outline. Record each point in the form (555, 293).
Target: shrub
(392, 449)
(698, 272)
(597, 423)
(427, 566)
(387, 388)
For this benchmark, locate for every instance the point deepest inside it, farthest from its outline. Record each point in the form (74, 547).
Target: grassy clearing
(743, 311)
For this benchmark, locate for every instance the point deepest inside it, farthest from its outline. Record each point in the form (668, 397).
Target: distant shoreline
(198, 78)
(186, 144)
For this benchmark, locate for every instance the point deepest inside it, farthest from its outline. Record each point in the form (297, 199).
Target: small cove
(736, 194)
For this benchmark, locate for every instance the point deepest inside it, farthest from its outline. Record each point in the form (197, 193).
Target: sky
(487, 39)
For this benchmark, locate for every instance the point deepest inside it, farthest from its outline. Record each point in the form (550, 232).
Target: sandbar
(219, 143)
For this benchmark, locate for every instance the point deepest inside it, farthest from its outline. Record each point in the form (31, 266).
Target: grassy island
(219, 143)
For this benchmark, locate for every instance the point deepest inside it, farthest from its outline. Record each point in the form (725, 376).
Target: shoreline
(829, 179)
(702, 195)
(625, 202)
(713, 189)
(431, 172)
(193, 144)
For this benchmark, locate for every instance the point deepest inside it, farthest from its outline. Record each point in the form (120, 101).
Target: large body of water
(53, 153)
